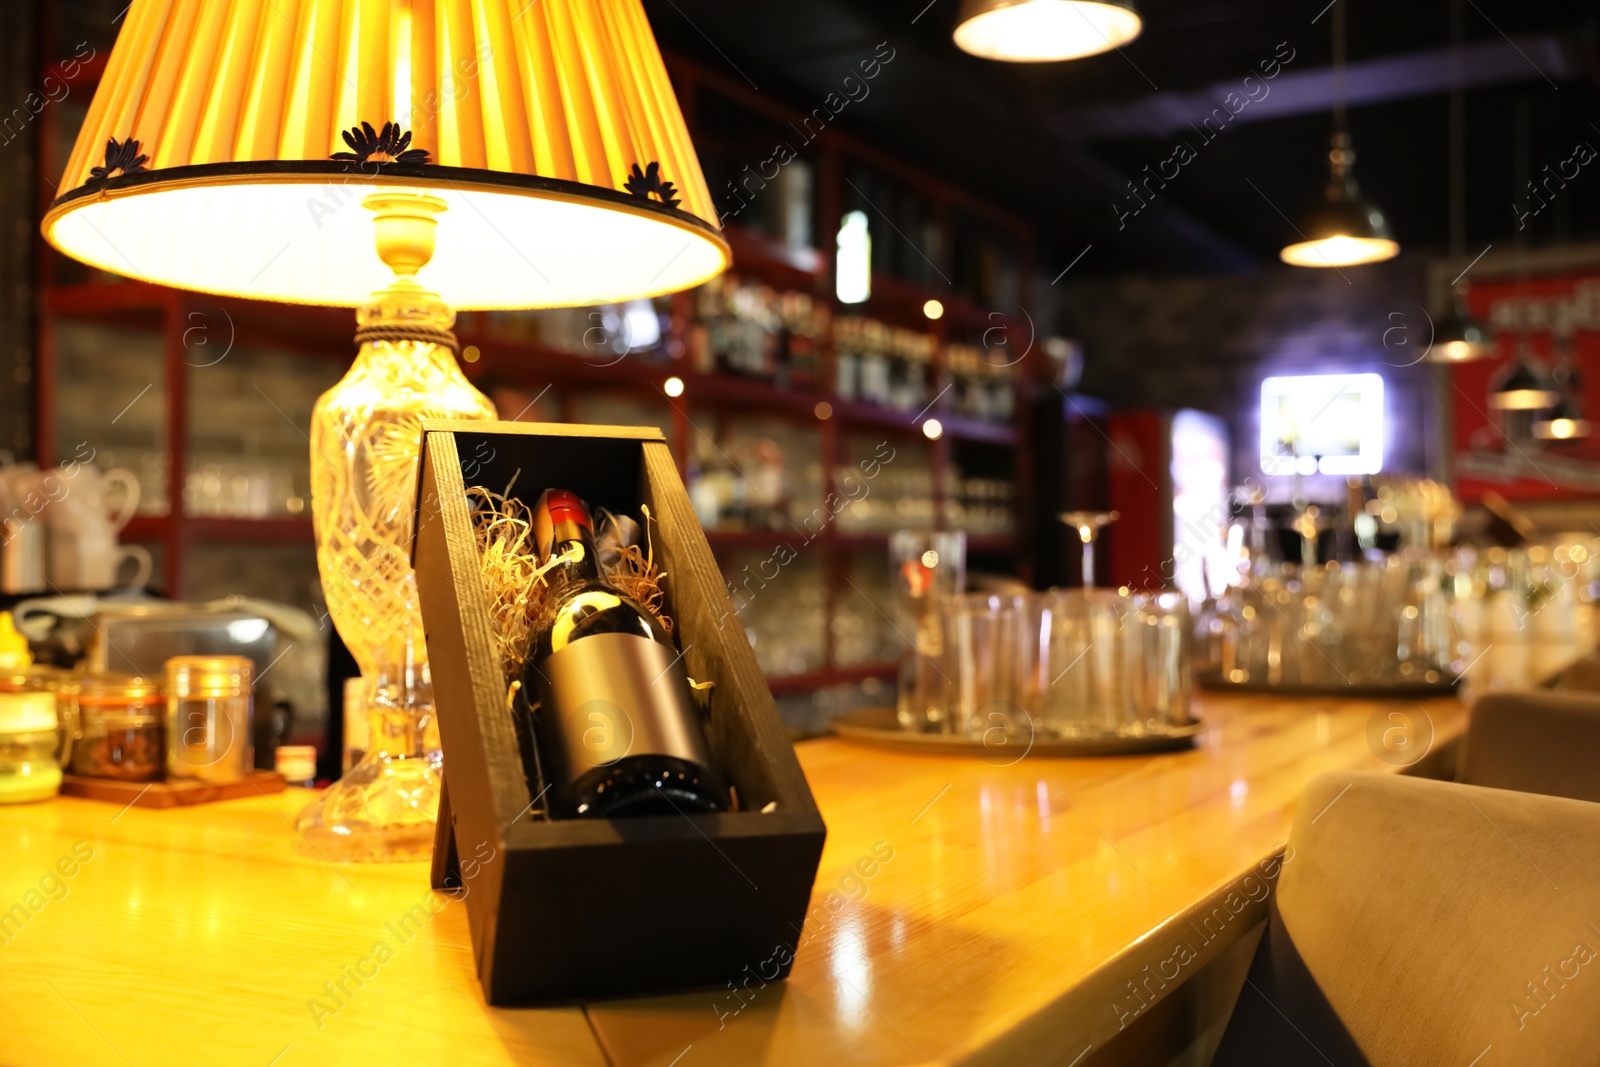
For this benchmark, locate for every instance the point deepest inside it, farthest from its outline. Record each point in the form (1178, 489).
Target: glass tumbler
(983, 668)
(1158, 633)
(926, 567)
(1082, 672)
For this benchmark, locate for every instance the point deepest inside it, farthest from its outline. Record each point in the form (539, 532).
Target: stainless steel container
(22, 556)
(209, 713)
(143, 637)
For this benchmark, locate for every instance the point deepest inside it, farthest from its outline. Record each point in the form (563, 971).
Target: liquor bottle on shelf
(799, 346)
(616, 729)
(847, 335)
(983, 382)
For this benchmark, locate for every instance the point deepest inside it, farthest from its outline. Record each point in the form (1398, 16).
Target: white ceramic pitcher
(87, 510)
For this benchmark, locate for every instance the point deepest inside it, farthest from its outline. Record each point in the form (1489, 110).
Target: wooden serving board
(169, 794)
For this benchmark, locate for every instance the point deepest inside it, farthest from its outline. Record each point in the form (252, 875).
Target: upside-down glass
(1110, 663)
(1064, 663)
(926, 567)
(1369, 623)
(1081, 682)
(1159, 649)
(984, 670)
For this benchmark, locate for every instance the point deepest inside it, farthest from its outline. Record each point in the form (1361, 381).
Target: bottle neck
(579, 562)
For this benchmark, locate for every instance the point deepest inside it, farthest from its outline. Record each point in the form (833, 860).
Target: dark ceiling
(1058, 142)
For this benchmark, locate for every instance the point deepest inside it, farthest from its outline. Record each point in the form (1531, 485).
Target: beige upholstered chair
(1540, 742)
(1423, 923)
(1581, 675)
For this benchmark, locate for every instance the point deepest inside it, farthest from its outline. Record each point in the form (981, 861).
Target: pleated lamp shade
(550, 129)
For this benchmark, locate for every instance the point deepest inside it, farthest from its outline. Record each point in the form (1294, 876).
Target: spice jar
(122, 724)
(28, 768)
(63, 685)
(209, 718)
(20, 674)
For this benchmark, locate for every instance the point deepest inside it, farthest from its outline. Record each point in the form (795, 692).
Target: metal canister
(22, 556)
(209, 712)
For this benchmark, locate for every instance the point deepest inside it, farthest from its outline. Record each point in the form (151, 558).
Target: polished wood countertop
(966, 911)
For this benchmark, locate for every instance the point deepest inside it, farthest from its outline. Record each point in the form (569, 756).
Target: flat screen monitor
(1322, 423)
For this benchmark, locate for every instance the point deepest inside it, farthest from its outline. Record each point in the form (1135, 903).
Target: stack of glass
(1369, 623)
(1066, 663)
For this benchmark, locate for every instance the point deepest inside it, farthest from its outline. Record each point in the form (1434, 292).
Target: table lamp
(404, 157)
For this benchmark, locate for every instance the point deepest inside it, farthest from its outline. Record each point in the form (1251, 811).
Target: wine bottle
(615, 725)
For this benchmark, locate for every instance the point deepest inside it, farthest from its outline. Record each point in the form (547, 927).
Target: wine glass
(1088, 525)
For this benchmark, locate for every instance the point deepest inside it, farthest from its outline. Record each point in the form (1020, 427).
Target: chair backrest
(1538, 742)
(1581, 675)
(1419, 922)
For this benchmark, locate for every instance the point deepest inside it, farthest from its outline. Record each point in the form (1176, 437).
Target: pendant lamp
(1564, 421)
(1044, 31)
(1457, 336)
(1523, 385)
(405, 157)
(1342, 228)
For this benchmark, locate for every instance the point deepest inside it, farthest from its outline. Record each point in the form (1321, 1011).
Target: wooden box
(573, 909)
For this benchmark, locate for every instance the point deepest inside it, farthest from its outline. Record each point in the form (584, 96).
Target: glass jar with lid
(28, 767)
(122, 724)
(58, 681)
(209, 713)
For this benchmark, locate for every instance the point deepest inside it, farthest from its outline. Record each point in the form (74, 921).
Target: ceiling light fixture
(1458, 337)
(1523, 384)
(1561, 423)
(1343, 228)
(1564, 421)
(1045, 31)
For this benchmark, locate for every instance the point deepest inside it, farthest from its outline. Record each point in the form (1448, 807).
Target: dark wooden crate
(574, 909)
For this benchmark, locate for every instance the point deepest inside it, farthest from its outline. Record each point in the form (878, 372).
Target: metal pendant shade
(1342, 228)
(1044, 31)
(1522, 386)
(230, 143)
(1458, 337)
(1564, 422)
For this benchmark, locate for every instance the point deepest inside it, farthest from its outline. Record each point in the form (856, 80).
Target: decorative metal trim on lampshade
(1343, 228)
(230, 143)
(1458, 337)
(1044, 31)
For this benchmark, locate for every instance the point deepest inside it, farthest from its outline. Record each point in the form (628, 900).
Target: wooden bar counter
(1061, 911)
